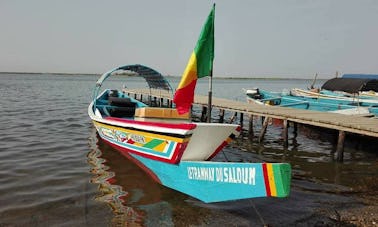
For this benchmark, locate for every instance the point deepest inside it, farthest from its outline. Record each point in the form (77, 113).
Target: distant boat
(174, 150)
(361, 92)
(305, 102)
(358, 88)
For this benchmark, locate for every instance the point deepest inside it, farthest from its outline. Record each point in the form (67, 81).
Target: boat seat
(121, 102)
(120, 111)
(158, 112)
(120, 107)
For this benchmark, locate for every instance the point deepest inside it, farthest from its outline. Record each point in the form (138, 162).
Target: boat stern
(277, 178)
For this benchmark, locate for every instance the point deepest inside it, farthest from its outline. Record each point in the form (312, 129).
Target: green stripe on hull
(282, 178)
(153, 143)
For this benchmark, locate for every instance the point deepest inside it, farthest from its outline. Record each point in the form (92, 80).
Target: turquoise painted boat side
(220, 181)
(318, 104)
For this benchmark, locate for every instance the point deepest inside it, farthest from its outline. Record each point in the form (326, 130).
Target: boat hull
(162, 147)
(217, 181)
(164, 139)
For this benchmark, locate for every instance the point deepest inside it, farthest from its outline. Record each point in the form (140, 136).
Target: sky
(253, 38)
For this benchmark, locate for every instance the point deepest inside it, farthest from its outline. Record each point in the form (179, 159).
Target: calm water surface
(54, 170)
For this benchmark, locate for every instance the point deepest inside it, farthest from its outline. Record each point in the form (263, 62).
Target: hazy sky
(253, 38)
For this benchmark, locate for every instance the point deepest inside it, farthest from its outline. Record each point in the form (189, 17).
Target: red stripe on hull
(177, 153)
(182, 126)
(218, 150)
(125, 153)
(266, 180)
(222, 146)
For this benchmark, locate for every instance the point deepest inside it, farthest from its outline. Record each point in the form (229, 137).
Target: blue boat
(353, 90)
(318, 103)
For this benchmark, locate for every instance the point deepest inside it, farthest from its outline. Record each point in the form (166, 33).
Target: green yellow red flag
(200, 65)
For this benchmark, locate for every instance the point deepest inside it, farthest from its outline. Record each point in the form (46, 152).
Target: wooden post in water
(250, 127)
(221, 115)
(285, 133)
(203, 114)
(263, 129)
(340, 146)
(241, 121)
(295, 126)
(233, 117)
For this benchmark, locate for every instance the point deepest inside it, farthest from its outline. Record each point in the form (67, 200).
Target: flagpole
(209, 105)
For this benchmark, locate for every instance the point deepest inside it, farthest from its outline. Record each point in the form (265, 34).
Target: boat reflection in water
(135, 199)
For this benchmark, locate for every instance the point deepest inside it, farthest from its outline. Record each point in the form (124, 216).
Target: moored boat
(177, 152)
(355, 91)
(174, 150)
(349, 88)
(283, 99)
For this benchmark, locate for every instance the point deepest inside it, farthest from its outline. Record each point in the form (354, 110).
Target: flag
(200, 65)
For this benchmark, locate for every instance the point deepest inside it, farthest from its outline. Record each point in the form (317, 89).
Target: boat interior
(114, 103)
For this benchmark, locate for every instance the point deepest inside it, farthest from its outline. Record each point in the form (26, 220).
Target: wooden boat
(176, 151)
(359, 92)
(363, 98)
(350, 87)
(305, 102)
(365, 93)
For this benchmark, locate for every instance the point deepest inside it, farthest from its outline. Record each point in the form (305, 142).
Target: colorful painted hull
(162, 147)
(218, 181)
(175, 151)
(164, 141)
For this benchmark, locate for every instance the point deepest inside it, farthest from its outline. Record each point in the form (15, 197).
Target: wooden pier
(361, 125)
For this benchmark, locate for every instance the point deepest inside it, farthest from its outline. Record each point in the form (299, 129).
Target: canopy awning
(351, 85)
(153, 78)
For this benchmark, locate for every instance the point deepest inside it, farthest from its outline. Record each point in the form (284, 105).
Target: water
(54, 170)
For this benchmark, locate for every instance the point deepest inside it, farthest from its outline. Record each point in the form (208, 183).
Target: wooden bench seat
(158, 112)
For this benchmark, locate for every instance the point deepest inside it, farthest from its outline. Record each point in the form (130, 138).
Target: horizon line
(218, 77)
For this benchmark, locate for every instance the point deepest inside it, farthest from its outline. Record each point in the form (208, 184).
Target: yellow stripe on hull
(272, 183)
(146, 134)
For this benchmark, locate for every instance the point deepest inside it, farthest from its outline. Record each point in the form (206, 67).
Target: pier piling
(285, 133)
(250, 127)
(263, 129)
(340, 146)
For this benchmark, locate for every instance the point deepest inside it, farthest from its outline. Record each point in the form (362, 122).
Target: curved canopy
(153, 78)
(351, 85)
